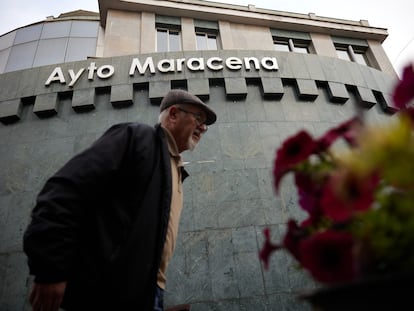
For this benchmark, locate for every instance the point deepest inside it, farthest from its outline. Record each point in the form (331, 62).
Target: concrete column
(188, 34)
(377, 57)
(323, 45)
(148, 33)
(122, 36)
(225, 35)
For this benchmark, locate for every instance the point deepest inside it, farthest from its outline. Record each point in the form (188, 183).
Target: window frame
(291, 44)
(170, 31)
(356, 54)
(206, 34)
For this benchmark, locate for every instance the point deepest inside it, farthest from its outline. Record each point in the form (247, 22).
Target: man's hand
(47, 297)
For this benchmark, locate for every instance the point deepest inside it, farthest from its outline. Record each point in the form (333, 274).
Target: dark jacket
(100, 222)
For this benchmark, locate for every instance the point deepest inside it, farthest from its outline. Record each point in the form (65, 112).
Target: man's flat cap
(178, 96)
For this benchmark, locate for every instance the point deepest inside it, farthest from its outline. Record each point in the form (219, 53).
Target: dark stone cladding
(306, 72)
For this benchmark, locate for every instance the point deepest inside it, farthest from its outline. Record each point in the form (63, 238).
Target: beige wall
(245, 37)
(225, 35)
(122, 35)
(376, 56)
(148, 33)
(323, 45)
(100, 44)
(188, 34)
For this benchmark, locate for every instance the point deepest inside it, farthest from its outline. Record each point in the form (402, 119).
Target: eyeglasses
(198, 117)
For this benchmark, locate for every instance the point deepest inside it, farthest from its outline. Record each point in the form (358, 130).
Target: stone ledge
(46, 105)
(307, 89)
(10, 111)
(236, 88)
(122, 95)
(83, 100)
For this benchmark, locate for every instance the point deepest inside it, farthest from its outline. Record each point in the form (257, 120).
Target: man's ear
(172, 112)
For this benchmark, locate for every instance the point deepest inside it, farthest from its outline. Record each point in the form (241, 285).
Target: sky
(394, 15)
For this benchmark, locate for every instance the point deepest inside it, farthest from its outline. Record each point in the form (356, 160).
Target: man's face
(190, 125)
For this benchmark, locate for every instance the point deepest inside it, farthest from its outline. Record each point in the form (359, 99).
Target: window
(354, 50)
(291, 41)
(168, 40)
(168, 33)
(48, 43)
(360, 57)
(352, 53)
(206, 34)
(50, 51)
(300, 48)
(343, 53)
(206, 41)
(280, 45)
(290, 45)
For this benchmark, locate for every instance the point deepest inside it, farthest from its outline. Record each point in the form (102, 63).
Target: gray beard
(191, 144)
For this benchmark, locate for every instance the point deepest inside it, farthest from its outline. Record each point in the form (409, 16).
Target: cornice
(248, 15)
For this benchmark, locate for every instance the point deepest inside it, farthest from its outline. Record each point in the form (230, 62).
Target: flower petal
(329, 256)
(346, 193)
(404, 90)
(293, 151)
(267, 249)
(346, 130)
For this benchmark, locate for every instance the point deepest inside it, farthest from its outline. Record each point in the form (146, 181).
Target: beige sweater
(175, 211)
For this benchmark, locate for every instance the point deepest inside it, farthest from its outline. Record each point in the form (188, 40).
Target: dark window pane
(360, 58)
(6, 41)
(84, 29)
(174, 41)
(283, 47)
(4, 56)
(21, 56)
(28, 34)
(212, 42)
(162, 40)
(300, 49)
(51, 51)
(56, 30)
(342, 54)
(201, 42)
(80, 49)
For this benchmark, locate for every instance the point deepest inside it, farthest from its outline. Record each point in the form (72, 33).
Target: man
(104, 226)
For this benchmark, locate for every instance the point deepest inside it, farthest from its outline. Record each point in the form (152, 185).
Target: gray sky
(394, 15)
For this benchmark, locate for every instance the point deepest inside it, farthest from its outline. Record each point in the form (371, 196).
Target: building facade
(267, 74)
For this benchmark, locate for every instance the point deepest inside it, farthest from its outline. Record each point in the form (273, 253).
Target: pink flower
(355, 219)
(329, 256)
(347, 130)
(345, 193)
(267, 249)
(309, 191)
(404, 91)
(293, 151)
(293, 238)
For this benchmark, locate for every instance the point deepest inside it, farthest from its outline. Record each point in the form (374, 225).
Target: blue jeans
(159, 299)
